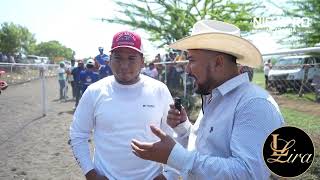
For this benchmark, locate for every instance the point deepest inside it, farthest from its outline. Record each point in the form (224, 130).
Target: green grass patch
(258, 78)
(311, 125)
(310, 96)
(301, 120)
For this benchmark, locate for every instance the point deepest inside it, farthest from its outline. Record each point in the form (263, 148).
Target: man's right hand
(175, 117)
(93, 175)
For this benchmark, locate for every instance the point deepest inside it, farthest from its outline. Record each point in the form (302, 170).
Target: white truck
(289, 72)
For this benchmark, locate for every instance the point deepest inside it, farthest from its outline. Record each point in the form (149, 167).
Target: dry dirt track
(34, 147)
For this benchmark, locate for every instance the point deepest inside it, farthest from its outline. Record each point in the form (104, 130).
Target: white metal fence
(20, 73)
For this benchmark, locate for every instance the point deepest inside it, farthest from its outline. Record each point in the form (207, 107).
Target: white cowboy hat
(222, 37)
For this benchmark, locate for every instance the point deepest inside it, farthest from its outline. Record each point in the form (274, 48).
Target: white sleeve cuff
(170, 173)
(182, 128)
(86, 167)
(180, 158)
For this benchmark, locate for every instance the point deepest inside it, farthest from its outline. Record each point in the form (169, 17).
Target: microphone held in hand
(177, 103)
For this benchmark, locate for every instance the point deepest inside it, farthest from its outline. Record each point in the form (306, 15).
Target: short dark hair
(231, 58)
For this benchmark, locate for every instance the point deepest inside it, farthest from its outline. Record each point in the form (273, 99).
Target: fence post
(43, 89)
(305, 78)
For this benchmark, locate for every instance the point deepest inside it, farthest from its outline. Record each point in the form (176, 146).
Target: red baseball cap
(127, 39)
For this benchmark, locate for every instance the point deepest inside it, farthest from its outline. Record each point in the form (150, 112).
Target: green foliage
(53, 49)
(310, 9)
(15, 38)
(168, 21)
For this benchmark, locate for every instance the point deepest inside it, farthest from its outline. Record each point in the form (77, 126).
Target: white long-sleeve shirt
(117, 114)
(227, 139)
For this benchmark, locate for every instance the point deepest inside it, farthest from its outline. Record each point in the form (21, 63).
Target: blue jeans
(78, 90)
(62, 84)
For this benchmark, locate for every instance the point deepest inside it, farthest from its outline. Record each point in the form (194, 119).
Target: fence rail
(19, 73)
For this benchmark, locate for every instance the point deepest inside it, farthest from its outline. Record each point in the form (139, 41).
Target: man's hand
(175, 117)
(160, 177)
(158, 151)
(93, 175)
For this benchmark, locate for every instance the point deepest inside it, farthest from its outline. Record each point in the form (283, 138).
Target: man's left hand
(158, 151)
(160, 177)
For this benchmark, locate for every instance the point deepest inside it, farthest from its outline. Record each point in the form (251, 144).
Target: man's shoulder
(96, 86)
(153, 83)
(250, 91)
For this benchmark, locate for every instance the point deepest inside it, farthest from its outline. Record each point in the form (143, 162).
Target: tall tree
(309, 9)
(305, 36)
(53, 49)
(167, 21)
(15, 38)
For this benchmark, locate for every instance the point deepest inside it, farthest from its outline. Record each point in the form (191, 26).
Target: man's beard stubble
(203, 88)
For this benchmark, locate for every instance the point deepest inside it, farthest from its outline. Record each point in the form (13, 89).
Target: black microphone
(177, 103)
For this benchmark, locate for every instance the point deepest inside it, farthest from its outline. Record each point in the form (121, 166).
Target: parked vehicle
(37, 59)
(288, 72)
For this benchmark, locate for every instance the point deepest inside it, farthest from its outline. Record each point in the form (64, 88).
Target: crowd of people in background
(81, 74)
(166, 68)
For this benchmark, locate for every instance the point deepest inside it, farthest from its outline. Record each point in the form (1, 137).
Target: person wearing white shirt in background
(62, 80)
(116, 109)
(227, 139)
(150, 71)
(266, 69)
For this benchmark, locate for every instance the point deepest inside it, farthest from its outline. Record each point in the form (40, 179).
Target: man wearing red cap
(117, 109)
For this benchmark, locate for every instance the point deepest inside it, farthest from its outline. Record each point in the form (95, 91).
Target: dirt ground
(311, 108)
(31, 146)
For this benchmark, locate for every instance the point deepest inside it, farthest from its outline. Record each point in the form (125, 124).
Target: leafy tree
(310, 9)
(167, 21)
(53, 49)
(305, 36)
(15, 38)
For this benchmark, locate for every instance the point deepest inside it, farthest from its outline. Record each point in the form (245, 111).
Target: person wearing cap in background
(227, 139)
(101, 58)
(88, 76)
(116, 109)
(77, 84)
(105, 70)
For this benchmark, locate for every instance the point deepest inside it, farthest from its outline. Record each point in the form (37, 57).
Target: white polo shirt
(117, 114)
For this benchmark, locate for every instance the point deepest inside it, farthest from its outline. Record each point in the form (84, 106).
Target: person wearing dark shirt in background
(105, 70)
(76, 77)
(88, 76)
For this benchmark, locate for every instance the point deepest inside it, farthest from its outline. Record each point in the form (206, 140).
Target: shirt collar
(233, 83)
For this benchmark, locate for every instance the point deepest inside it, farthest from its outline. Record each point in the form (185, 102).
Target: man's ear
(142, 62)
(219, 61)
(216, 62)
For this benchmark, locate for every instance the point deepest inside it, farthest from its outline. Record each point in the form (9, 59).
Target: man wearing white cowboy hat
(227, 139)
